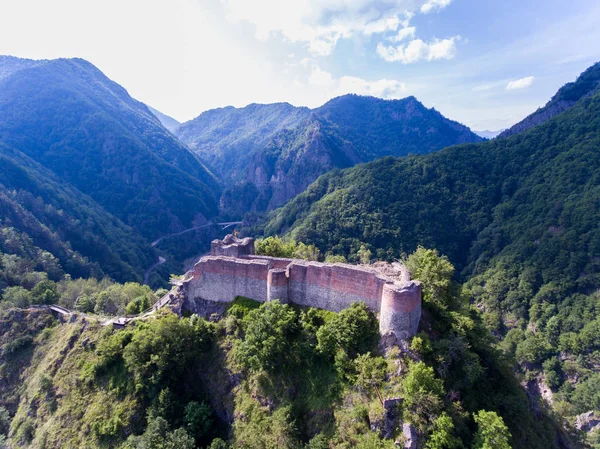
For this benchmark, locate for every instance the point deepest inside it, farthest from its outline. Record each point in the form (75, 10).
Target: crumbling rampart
(233, 270)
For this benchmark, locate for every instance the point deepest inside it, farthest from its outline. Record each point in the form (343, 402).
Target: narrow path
(159, 262)
(122, 320)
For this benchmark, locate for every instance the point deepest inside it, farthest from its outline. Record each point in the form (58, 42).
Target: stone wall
(220, 278)
(333, 286)
(232, 246)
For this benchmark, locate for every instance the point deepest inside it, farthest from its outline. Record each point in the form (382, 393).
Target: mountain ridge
(565, 98)
(87, 129)
(267, 154)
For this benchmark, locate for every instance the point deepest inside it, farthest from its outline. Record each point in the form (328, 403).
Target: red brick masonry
(328, 286)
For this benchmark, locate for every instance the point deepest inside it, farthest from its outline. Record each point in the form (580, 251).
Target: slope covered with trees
(51, 229)
(518, 216)
(267, 154)
(66, 115)
(268, 376)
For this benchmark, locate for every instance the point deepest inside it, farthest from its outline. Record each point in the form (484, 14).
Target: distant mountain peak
(281, 149)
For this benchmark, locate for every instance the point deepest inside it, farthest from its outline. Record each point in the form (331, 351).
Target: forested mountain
(69, 117)
(48, 228)
(267, 154)
(586, 85)
(226, 138)
(520, 192)
(520, 218)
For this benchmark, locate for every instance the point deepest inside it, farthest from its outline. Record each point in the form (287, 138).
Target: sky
(484, 63)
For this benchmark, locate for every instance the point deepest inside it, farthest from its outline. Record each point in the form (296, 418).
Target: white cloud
(433, 5)
(320, 78)
(320, 24)
(417, 50)
(522, 83)
(382, 25)
(403, 33)
(383, 88)
(334, 87)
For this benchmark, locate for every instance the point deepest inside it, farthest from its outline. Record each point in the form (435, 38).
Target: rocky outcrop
(410, 436)
(588, 422)
(537, 118)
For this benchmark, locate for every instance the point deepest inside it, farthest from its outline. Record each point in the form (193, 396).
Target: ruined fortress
(233, 270)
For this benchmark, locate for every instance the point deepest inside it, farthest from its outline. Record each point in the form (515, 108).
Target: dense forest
(265, 376)
(519, 218)
(49, 229)
(69, 117)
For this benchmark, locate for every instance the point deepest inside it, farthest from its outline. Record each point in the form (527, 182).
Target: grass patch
(241, 306)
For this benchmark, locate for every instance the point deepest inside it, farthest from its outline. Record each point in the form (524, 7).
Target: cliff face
(267, 154)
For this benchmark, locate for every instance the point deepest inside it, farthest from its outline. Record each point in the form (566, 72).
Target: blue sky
(484, 63)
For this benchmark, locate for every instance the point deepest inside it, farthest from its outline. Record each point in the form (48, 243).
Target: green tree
(434, 271)
(275, 247)
(159, 436)
(355, 330)
(306, 252)
(198, 420)
(17, 297)
(45, 293)
(138, 305)
(533, 349)
(218, 443)
(422, 393)
(270, 334)
(491, 433)
(332, 258)
(371, 371)
(441, 436)
(364, 255)
(161, 350)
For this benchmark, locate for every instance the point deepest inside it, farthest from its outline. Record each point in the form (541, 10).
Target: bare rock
(588, 421)
(410, 436)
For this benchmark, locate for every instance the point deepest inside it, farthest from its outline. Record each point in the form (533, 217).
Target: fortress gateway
(233, 270)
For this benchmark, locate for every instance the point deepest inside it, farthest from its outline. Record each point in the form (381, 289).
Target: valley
(107, 204)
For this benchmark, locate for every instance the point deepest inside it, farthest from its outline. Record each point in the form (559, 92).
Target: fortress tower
(233, 270)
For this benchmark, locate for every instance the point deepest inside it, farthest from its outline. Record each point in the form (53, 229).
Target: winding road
(159, 262)
(157, 241)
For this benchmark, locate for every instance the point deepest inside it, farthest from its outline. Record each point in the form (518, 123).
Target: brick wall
(219, 278)
(333, 286)
(327, 286)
